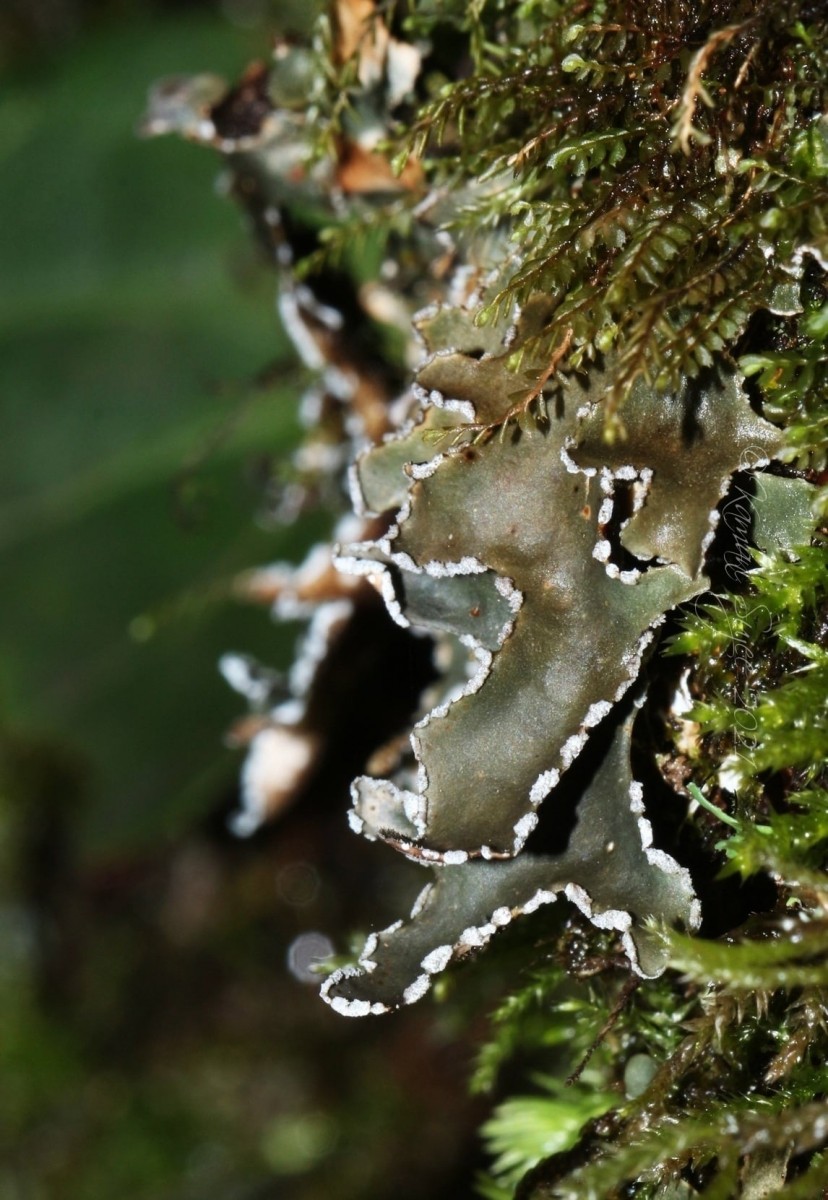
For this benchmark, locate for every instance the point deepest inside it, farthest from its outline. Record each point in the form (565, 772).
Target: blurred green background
(132, 319)
(153, 1043)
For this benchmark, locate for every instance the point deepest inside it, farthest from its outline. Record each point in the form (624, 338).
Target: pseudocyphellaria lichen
(544, 490)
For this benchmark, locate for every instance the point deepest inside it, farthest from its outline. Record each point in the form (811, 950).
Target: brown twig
(620, 1004)
(694, 90)
(525, 402)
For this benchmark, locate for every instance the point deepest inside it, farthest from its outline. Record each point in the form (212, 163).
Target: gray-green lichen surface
(537, 501)
(525, 512)
(608, 869)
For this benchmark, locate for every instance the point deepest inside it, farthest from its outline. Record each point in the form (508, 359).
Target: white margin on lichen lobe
(475, 937)
(352, 562)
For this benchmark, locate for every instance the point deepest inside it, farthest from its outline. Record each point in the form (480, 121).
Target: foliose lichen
(560, 272)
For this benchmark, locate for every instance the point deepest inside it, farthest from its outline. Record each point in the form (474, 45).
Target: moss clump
(627, 199)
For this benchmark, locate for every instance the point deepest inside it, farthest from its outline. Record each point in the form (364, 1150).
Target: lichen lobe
(608, 870)
(537, 508)
(528, 507)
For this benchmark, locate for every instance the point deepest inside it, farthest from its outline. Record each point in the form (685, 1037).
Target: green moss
(646, 182)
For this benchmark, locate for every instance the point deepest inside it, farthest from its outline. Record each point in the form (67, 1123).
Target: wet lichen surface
(575, 398)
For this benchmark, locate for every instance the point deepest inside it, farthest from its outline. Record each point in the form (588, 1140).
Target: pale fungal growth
(597, 712)
(543, 785)
(509, 592)
(462, 407)
(437, 960)
(259, 685)
(326, 621)
(523, 828)
(571, 748)
(277, 762)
